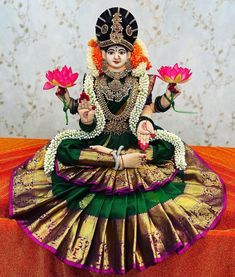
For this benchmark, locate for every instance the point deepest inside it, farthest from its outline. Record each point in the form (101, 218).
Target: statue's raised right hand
(85, 109)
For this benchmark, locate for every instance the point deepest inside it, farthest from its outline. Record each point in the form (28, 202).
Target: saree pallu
(111, 221)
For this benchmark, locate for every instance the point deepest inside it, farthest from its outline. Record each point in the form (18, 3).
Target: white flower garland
(100, 118)
(141, 73)
(52, 148)
(179, 153)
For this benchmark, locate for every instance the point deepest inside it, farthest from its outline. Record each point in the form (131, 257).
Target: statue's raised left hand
(144, 131)
(85, 109)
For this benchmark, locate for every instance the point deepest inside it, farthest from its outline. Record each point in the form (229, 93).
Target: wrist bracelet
(120, 149)
(74, 106)
(158, 105)
(116, 155)
(142, 118)
(171, 101)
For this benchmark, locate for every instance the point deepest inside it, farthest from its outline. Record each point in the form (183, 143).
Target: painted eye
(122, 52)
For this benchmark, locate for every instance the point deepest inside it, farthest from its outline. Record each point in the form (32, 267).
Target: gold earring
(104, 65)
(128, 65)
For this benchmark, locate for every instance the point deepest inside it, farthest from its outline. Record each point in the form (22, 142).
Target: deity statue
(120, 192)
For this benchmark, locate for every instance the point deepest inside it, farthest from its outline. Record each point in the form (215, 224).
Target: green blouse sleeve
(69, 151)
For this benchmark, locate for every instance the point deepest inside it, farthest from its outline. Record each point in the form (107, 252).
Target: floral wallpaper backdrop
(44, 34)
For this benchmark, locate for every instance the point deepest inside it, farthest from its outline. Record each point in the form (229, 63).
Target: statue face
(116, 57)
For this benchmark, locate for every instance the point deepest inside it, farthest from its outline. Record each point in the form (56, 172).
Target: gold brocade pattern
(86, 200)
(117, 245)
(94, 158)
(37, 161)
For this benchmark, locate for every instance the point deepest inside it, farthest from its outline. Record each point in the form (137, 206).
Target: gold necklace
(117, 123)
(117, 75)
(115, 90)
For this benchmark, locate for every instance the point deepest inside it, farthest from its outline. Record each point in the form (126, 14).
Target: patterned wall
(41, 35)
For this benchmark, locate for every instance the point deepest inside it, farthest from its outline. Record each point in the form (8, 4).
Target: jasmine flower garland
(140, 72)
(179, 153)
(89, 89)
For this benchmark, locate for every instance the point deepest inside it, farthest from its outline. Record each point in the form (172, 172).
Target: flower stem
(172, 103)
(65, 109)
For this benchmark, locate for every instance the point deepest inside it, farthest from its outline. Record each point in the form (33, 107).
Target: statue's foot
(133, 160)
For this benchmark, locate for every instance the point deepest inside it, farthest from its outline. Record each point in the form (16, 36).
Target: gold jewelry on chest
(117, 123)
(115, 90)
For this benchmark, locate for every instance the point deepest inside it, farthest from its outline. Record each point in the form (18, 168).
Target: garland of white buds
(100, 118)
(52, 148)
(139, 72)
(179, 153)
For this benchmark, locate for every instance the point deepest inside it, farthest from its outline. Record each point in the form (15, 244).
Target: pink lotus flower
(64, 78)
(174, 74)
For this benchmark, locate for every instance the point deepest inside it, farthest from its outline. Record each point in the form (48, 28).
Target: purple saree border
(11, 193)
(93, 269)
(122, 191)
(177, 248)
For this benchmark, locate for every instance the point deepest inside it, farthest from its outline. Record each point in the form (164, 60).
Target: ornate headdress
(116, 26)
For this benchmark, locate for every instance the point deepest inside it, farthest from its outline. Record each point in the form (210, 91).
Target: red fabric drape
(211, 256)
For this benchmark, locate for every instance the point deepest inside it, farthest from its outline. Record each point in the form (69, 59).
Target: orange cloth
(212, 256)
